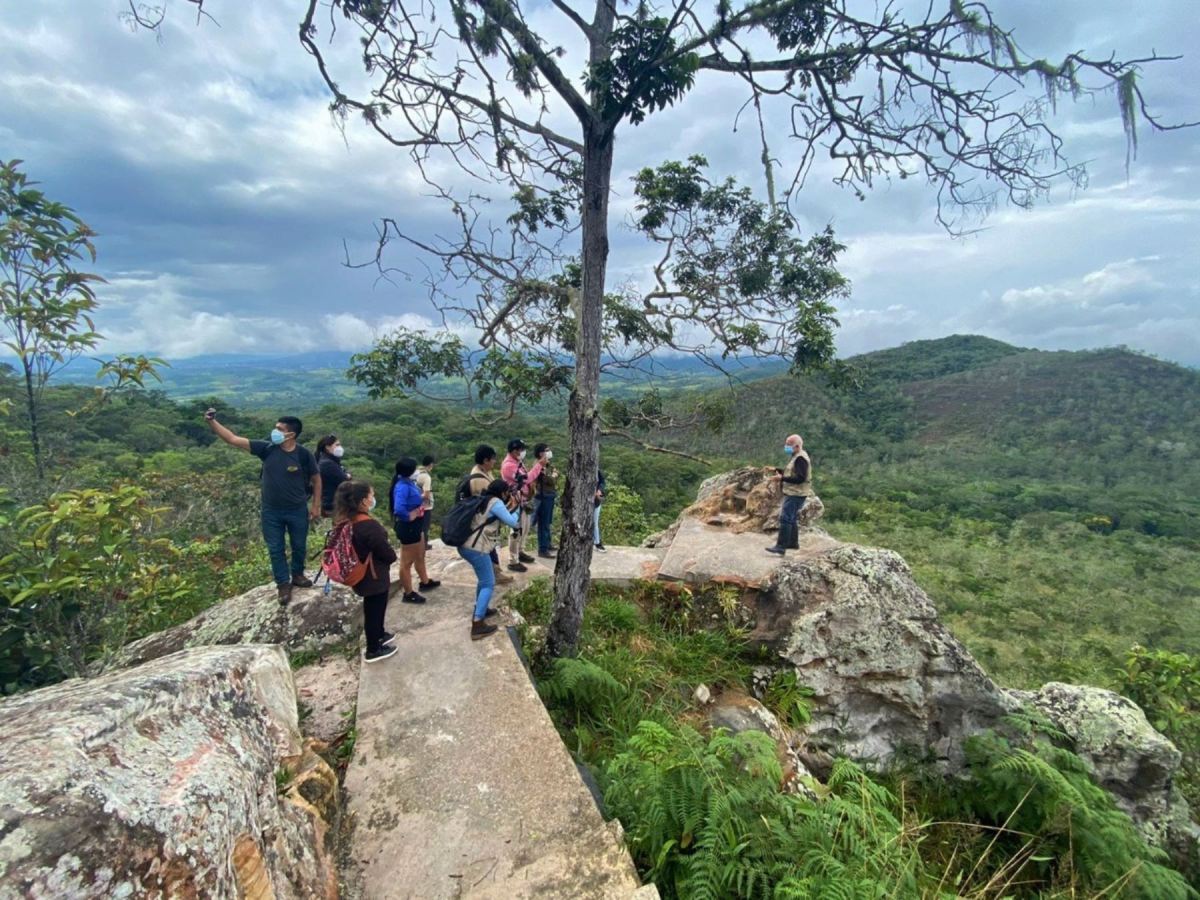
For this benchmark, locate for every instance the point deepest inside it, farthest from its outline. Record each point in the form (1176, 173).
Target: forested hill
(1049, 501)
(1093, 417)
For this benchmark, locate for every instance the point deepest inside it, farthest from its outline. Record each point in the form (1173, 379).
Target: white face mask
(370, 505)
(337, 450)
(521, 456)
(549, 454)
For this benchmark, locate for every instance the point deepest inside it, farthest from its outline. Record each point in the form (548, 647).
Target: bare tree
(945, 96)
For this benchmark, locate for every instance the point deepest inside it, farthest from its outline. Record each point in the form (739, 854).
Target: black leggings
(374, 608)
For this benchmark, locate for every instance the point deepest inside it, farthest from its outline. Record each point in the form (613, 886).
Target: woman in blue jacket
(408, 503)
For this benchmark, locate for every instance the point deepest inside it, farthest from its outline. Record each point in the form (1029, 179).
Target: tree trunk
(31, 402)
(571, 577)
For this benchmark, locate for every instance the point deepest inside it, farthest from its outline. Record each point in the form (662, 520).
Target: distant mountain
(307, 380)
(1098, 414)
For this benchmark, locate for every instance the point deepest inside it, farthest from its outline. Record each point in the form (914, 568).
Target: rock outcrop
(311, 621)
(887, 676)
(1124, 754)
(744, 500)
(738, 713)
(162, 781)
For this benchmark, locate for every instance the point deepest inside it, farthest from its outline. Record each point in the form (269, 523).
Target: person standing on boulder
(796, 480)
(352, 502)
(289, 478)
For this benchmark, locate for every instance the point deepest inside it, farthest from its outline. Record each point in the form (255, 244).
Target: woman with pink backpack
(363, 562)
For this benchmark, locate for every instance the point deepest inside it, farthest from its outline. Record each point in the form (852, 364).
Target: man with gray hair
(796, 480)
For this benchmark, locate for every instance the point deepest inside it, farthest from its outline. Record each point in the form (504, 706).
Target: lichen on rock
(159, 781)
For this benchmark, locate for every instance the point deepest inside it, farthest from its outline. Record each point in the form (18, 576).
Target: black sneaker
(546, 554)
(491, 612)
(518, 567)
(602, 548)
(481, 630)
(777, 550)
(414, 597)
(524, 557)
(388, 639)
(380, 652)
(430, 584)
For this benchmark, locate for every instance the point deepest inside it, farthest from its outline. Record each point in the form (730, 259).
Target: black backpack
(456, 525)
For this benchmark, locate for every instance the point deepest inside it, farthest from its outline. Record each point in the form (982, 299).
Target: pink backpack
(339, 561)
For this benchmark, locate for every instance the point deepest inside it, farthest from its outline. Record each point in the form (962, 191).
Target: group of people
(299, 487)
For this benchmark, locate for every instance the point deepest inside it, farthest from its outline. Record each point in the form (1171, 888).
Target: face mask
(370, 505)
(521, 455)
(549, 454)
(277, 436)
(789, 449)
(337, 451)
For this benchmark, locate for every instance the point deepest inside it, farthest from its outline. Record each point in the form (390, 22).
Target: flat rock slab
(621, 566)
(460, 786)
(703, 553)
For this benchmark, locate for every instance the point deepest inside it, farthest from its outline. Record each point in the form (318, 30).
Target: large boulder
(313, 620)
(161, 781)
(1124, 754)
(743, 500)
(888, 677)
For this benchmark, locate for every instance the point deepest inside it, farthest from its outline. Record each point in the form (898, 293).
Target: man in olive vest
(796, 479)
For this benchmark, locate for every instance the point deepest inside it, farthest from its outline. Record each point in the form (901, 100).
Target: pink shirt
(511, 466)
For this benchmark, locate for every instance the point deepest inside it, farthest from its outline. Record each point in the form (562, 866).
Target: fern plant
(1059, 826)
(706, 819)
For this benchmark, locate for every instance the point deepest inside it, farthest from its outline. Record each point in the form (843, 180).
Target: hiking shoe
(481, 630)
(301, 580)
(388, 639)
(285, 594)
(602, 548)
(778, 550)
(518, 567)
(429, 585)
(491, 612)
(413, 597)
(524, 557)
(380, 652)
(546, 554)
(502, 577)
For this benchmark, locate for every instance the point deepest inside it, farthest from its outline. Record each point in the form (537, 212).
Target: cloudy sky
(224, 196)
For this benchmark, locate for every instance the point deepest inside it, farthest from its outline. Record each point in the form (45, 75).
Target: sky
(226, 199)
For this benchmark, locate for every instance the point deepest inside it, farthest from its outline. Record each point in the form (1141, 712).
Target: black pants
(426, 521)
(374, 608)
(789, 530)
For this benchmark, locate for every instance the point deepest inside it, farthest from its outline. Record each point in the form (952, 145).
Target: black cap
(516, 444)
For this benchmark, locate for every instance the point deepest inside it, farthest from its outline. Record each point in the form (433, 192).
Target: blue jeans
(485, 579)
(789, 530)
(275, 522)
(596, 526)
(545, 521)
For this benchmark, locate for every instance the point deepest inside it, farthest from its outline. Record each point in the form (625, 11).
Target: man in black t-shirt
(290, 477)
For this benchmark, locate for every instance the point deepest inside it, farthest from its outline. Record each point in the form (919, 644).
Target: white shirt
(425, 483)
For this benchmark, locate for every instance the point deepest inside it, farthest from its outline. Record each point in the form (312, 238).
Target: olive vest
(798, 490)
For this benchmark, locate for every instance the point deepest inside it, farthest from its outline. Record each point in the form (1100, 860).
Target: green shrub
(82, 576)
(1167, 686)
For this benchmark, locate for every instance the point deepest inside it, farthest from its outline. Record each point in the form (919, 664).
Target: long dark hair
(324, 444)
(348, 498)
(405, 466)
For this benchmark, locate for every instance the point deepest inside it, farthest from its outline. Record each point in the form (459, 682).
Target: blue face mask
(789, 449)
(277, 436)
